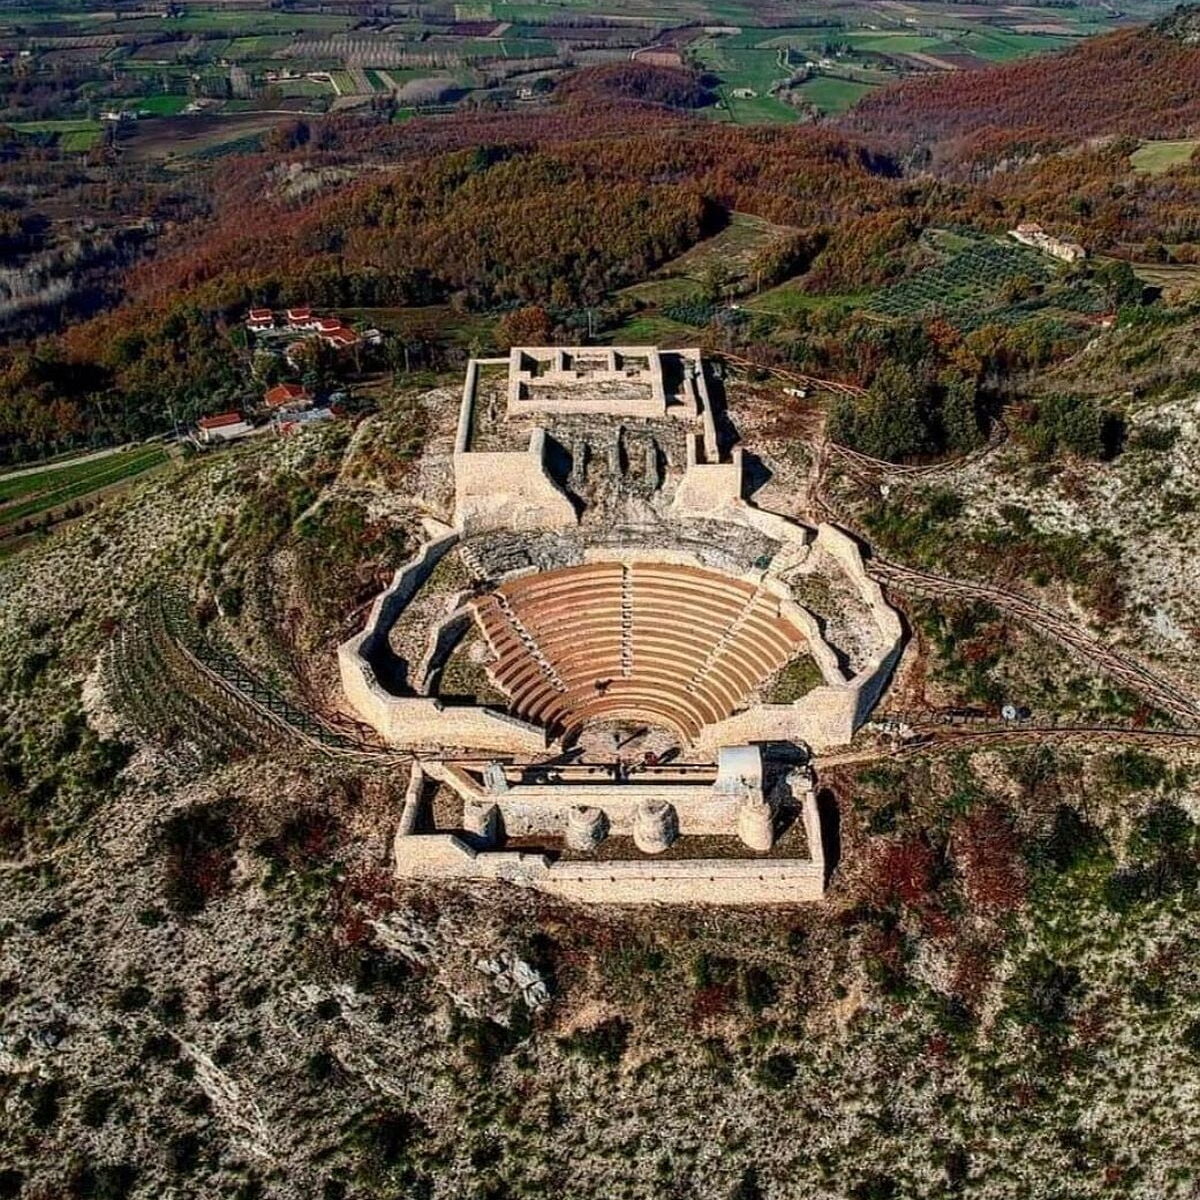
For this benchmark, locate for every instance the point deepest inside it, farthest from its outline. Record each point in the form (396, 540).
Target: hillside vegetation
(1135, 83)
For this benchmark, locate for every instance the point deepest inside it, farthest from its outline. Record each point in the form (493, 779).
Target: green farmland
(980, 280)
(833, 95)
(28, 495)
(1153, 158)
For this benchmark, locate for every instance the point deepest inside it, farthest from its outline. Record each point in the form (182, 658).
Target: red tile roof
(328, 324)
(261, 314)
(299, 314)
(281, 393)
(220, 420)
(342, 336)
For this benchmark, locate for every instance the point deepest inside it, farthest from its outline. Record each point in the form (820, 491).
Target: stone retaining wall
(674, 881)
(512, 490)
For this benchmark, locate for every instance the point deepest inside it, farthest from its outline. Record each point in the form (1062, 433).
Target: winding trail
(1168, 695)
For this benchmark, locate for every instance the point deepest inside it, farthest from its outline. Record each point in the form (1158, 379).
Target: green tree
(960, 414)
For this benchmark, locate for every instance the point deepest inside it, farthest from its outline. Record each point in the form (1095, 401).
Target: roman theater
(612, 666)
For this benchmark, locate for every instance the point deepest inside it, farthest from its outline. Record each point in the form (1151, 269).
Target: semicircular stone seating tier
(670, 645)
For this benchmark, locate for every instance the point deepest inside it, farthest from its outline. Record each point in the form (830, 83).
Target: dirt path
(1165, 693)
(62, 465)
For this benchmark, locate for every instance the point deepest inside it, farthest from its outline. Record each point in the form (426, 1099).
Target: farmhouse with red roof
(223, 427)
(287, 396)
(300, 318)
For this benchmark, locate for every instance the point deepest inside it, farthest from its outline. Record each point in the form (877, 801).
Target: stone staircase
(626, 621)
(530, 643)
(727, 638)
(471, 561)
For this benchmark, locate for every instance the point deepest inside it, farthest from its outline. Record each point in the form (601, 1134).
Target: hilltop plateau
(802, 324)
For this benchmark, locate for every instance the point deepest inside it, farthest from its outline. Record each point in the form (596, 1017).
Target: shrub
(1068, 424)
(199, 858)
(183, 1153)
(989, 855)
(899, 874)
(710, 970)
(104, 1181)
(97, 1104)
(44, 1103)
(776, 1072)
(1040, 995)
(1072, 843)
(875, 1187)
(1191, 1039)
(603, 1043)
(485, 1042)
(747, 1188)
(1163, 841)
(320, 1067)
(134, 998)
(1156, 438)
(1135, 770)
(759, 989)
(1165, 828)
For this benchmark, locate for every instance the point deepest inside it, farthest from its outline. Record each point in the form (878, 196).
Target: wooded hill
(1137, 83)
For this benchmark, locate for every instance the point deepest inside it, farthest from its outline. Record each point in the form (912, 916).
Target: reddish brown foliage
(883, 950)
(972, 975)
(988, 853)
(1137, 83)
(635, 81)
(713, 1000)
(899, 873)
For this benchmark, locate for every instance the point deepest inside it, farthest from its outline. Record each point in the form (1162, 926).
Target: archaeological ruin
(612, 666)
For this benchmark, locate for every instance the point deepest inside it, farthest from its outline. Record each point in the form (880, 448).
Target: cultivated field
(773, 62)
(27, 495)
(1154, 158)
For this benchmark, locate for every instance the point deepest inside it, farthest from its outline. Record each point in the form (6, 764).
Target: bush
(1135, 771)
(875, 1187)
(104, 1181)
(44, 1103)
(1040, 995)
(1191, 1039)
(899, 874)
(776, 1072)
(183, 1153)
(1156, 438)
(485, 1042)
(199, 858)
(1069, 424)
(96, 1106)
(759, 989)
(1164, 829)
(747, 1188)
(1163, 841)
(988, 851)
(603, 1043)
(1072, 843)
(903, 416)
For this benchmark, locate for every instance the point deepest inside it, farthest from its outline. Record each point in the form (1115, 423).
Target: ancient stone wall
(511, 493)
(822, 719)
(419, 720)
(621, 380)
(723, 881)
(673, 881)
(708, 487)
(509, 490)
(871, 681)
